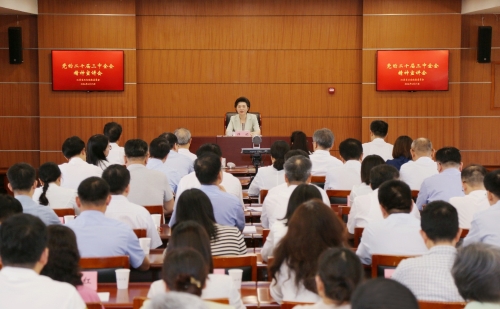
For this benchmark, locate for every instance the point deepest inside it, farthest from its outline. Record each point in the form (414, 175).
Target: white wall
(23, 6)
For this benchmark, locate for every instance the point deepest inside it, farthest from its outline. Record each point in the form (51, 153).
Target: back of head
(177, 300)
(171, 138)
(21, 176)
(473, 175)
(477, 273)
(323, 138)
(298, 140)
(351, 149)
(93, 191)
(9, 206)
(298, 168)
(159, 148)
(194, 204)
(491, 182)
(382, 173)
(296, 152)
(23, 238)
(302, 193)
(48, 172)
(402, 147)
(117, 177)
(368, 163)
(209, 148)
(379, 128)
(113, 131)
(207, 168)
(439, 221)
(382, 293)
(136, 148)
(449, 157)
(341, 272)
(183, 136)
(278, 152)
(96, 146)
(422, 146)
(72, 146)
(185, 270)
(395, 196)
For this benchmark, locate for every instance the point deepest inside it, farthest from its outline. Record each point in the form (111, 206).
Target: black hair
(448, 155)
(382, 293)
(381, 173)
(296, 152)
(194, 205)
(171, 138)
(94, 191)
(439, 221)
(209, 148)
(242, 99)
(9, 206)
(298, 168)
(298, 140)
(301, 194)
(350, 149)
(136, 148)
(368, 163)
(185, 270)
(113, 131)
(72, 146)
(395, 196)
(278, 152)
(96, 146)
(207, 168)
(21, 176)
(491, 182)
(379, 128)
(117, 177)
(159, 148)
(402, 147)
(48, 172)
(474, 174)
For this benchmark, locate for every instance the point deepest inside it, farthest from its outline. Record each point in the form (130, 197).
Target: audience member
(76, 170)
(321, 159)
(401, 152)
(175, 300)
(399, 232)
(363, 188)
(147, 187)
(381, 293)
(377, 144)
(475, 198)
(97, 235)
(121, 209)
(422, 166)
(184, 139)
(22, 181)
(298, 140)
(346, 176)
(429, 276)
(312, 229)
(113, 132)
(24, 253)
(271, 176)
(97, 150)
(182, 164)
(9, 206)
(447, 183)
(158, 153)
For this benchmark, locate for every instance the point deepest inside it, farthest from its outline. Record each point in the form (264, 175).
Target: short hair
(117, 177)
(207, 168)
(96, 146)
(23, 238)
(350, 149)
(302, 193)
(368, 163)
(183, 135)
(113, 131)
(185, 270)
(159, 148)
(93, 191)
(492, 182)
(395, 196)
(278, 152)
(177, 300)
(298, 168)
(48, 172)
(477, 272)
(298, 140)
(381, 173)
(21, 176)
(171, 138)
(379, 128)
(473, 174)
(448, 156)
(194, 205)
(341, 272)
(72, 146)
(382, 293)
(422, 145)
(136, 148)
(296, 152)
(242, 99)
(9, 206)
(439, 221)
(324, 138)
(209, 148)
(402, 147)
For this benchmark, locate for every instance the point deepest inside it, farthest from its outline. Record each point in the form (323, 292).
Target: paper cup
(223, 162)
(237, 276)
(68, 218)
(145, 243)
(122, 276)
(156, 220)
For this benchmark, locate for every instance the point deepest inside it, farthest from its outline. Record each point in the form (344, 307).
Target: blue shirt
(180, 163)
(172, 175)
(45, 213)
(397, 162)
(442, 186)
(227, 207)
(97, 235)
(484, 227)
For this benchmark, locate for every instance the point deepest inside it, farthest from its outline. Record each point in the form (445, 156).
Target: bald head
(421, 147)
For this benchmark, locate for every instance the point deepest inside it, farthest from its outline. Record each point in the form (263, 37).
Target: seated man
(184, 138)
(147, 187)
(158, 152)
(475, 199)
(378, 146)
(9, 206)
(227, 208)
(135, 216)
(321, 159)
(447, 183)
(348, 175)
(182, 164)
(421, 167)
(97, 235)
(113, 131)
(429, 276)
(484, 225)
(22, 181)
(399, 232)
(24, 252)
(77, 169)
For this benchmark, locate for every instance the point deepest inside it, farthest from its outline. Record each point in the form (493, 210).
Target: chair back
(262, 195)
(6, 185)
(440, 305)
(338, 196)
(265, 233)
(238, 261)
(105, 266)
(358, 232)
(138, 301)
(228, 116)
(224, 301)
(292, 304)
(414, 193)
(94, 305)
(61, 212)
(156, 210)
(382, 262)
(464, 233)
(140, 233)
(344, 212)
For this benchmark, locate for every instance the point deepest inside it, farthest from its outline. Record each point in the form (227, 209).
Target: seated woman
(51, 193)
(339, 273)
(189, 234)
(312, 229)
(270, 176)
(195, 205)
(97, 151)
(298, 140)
(302, 193)
(243, 121)
(364, 187)
(401, 151)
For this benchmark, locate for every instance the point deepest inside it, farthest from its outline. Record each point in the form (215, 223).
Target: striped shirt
(229, 241)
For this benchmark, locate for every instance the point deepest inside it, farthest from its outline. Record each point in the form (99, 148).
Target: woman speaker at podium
(243, 122)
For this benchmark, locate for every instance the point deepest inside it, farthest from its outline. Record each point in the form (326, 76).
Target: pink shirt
(87, 294)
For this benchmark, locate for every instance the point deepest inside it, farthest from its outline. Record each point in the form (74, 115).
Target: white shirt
(58, 197)
(344, 177)
(284, 288)
(77, 170)
(24, 288)
(414, 172)
(468, 205)
(148, 187)
(116, 154)
(277, 232)
(359, 190)
(135, 216)
(276, 203)
(378, 147)
(398, 234)
(322, 162)
(187, 153)
(266, 178)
